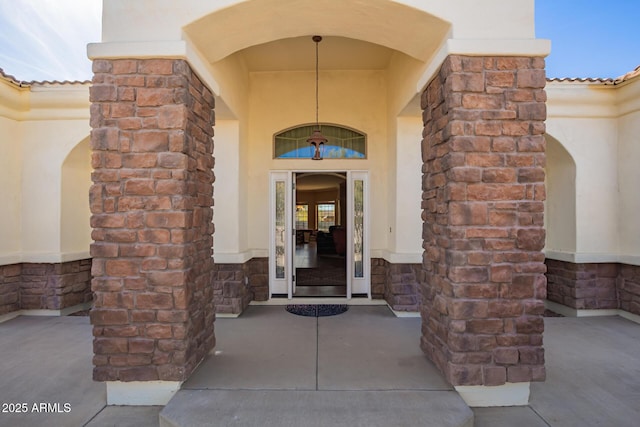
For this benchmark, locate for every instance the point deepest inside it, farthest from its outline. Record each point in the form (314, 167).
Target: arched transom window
(343, 143)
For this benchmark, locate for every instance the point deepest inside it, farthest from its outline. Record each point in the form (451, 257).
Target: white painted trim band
(591, 257)
(227, 315)
(178, 49)
(53, 313)
(141, 393)
(397, 257)
(499, 47)
(131, 49)
(509, 394)
(572, 312)
(404, 314)
(8, 316)
(239, 257)
(10, 259)
(74, 256)
(242, 257)
(629, 316)
(231, 258)
(43, 257)
(302, 300)
(482, 47)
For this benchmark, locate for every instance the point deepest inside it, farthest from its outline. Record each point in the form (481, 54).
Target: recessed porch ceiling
(275, 35)
(379, 22)
(298, 54)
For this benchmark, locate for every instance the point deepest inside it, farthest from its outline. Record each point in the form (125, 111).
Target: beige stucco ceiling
(298, 54)
(319, 181)
(399, 27)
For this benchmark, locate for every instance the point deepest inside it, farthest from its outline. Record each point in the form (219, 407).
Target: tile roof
(609, 81)
(629, 75)
(21, 83)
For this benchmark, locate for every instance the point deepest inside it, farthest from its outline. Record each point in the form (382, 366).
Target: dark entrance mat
(316, 310)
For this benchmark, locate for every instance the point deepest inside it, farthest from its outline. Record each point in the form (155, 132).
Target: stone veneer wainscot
(45, 286)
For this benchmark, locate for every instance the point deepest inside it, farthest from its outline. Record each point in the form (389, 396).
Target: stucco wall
(424, 30)
(406, 240)
(353, 98)
(212, 36)
(629, 171)
(40, 126)
(356, 99)
(10, 179)
(598, 126)
(45, 146)
(146, 20)
(560, 206)
(592, 143)
(228, 216)
(75, 231)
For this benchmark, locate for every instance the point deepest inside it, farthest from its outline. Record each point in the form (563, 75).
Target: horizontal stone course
(396, 283)
(43, 286)
(593, 286)
(10, 278)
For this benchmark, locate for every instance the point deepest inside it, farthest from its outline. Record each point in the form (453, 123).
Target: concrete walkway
(593, 367)
(274, 369)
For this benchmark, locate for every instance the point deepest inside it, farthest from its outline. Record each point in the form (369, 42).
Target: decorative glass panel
(343, 143)
(280, 229)
(326, 215)
(358, 228)
(302, 217)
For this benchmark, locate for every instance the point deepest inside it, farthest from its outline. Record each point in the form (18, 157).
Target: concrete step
(294, 408)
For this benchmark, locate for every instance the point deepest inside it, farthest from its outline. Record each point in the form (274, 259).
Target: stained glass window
(343, 143)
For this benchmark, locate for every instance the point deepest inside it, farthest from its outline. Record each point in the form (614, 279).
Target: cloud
(46, 39)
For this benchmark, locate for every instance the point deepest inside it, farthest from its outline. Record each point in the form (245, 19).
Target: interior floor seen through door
(319, 275)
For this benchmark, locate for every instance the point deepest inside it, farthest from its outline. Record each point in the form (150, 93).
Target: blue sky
(590, 38)
(46, 39)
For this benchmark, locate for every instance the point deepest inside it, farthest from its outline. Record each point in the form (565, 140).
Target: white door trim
(280, 285)
(358, 285)
(284, 285)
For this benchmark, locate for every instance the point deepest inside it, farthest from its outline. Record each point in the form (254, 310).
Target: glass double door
(346, 227)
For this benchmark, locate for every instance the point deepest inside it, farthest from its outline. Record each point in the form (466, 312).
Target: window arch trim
(344, 142)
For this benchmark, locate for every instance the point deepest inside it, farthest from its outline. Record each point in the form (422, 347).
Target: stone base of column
(141, 393)
(481, 396)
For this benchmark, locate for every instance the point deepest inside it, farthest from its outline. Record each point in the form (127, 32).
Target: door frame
(285, 285)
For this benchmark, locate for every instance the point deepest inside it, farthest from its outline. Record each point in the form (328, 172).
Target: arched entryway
(481, 154)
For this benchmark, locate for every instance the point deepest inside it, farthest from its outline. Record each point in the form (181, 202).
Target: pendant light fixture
(317, 140)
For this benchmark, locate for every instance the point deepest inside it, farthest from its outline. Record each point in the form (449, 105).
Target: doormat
(316, 310)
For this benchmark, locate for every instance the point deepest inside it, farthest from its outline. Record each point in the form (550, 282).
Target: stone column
(151, 200)
(483, 204)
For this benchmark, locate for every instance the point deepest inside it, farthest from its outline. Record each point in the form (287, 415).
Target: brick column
(151, 200)
(483, 194)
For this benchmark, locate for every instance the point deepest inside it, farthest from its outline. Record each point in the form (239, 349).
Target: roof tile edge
(614, 81)
(21, 83)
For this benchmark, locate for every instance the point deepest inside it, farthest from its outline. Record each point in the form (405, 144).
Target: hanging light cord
(317, 39)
